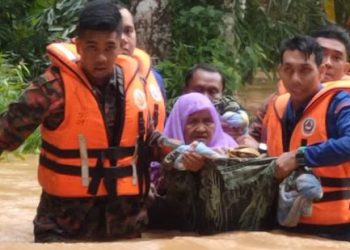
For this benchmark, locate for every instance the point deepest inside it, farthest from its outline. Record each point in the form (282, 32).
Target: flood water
(19, 196)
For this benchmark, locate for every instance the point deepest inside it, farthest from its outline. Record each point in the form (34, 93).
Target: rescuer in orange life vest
(156, 94)
(310, 127)
(335, 42)
(94, 119)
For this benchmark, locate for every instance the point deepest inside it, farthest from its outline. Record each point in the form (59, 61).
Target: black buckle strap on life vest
(96, 173)
(335, 182)
(335, 196)
(155, 117)
(111, 152)
(97, 177)
(143, 159)
(140, 145)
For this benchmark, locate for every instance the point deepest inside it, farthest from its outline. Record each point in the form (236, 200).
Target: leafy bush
(197, 35)
(238, 37)
(12, 83)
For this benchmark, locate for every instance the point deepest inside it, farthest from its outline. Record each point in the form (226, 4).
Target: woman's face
(199, 127)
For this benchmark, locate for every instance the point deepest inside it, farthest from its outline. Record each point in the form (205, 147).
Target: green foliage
(238, 37)
(198, 37)
(342, 11)
(12, 83)
(18, 36)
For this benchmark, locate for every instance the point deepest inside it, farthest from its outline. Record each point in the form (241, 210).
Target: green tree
(239, 37)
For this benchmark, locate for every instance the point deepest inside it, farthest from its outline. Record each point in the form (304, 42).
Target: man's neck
(296, 105)
(100, 83)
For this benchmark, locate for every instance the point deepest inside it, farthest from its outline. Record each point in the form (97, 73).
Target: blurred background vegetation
(240, 37)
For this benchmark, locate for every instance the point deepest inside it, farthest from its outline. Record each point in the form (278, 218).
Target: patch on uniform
(140, 99)
(308, 126)
(155, 93)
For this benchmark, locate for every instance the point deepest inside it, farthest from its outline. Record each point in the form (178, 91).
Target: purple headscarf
(188, 104)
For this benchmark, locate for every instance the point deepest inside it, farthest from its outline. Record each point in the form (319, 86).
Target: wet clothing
(227, 194)
(88, 219)
(335, 149)
(58, 218)
(323, 126)
(43, 102)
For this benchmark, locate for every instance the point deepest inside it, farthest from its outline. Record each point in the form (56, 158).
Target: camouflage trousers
(89, 219)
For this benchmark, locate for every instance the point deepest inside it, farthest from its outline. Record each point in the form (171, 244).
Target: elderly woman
(195, 123)
(195, 119)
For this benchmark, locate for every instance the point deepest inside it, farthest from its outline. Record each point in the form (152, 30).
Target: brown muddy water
(19, 196)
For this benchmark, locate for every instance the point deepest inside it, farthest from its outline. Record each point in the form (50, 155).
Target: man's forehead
(297, 57)
(331, 44)
(204, 74)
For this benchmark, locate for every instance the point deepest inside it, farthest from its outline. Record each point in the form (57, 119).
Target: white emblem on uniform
(308, 126)
(155, 93)
(140, 99)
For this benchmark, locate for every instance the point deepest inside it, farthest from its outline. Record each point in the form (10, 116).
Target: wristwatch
(300, 157)
(262, 148)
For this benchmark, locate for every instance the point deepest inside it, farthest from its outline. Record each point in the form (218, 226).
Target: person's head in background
(194, 118)
(301, 68)
(335, 42)
(98, 39)
(205, 79)
(128, 40)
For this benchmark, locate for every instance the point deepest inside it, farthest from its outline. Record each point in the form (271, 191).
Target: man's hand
(193, 161)
(247, 140)
(285, 164)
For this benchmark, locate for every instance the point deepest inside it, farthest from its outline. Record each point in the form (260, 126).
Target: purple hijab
(185, 106)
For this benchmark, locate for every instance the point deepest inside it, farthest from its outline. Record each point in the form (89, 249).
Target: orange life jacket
(268, 104)
(333, 208)
(155, 98)
(113, 169)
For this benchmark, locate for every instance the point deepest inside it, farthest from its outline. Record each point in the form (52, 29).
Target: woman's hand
(193, 161)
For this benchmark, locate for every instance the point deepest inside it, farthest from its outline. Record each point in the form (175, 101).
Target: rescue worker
(310, 127)
(93, 114)
(155, 84)
(335, 42)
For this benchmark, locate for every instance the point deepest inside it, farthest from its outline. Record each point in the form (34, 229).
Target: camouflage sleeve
(257, 122)
(227, 103)
(41, 102)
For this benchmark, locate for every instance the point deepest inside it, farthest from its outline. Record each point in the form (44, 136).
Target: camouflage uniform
(227, 194)
(256, 127)
(62, 219)
(227, 103)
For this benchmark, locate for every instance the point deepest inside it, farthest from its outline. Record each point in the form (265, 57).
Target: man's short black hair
(205, 67)
(99, 15)
(334, 32)
(120, 5)
(306, 45)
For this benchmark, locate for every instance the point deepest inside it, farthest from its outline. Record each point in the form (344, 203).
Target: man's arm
(334, 151)
(42, 101)
(337, 149)
(257, 122)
